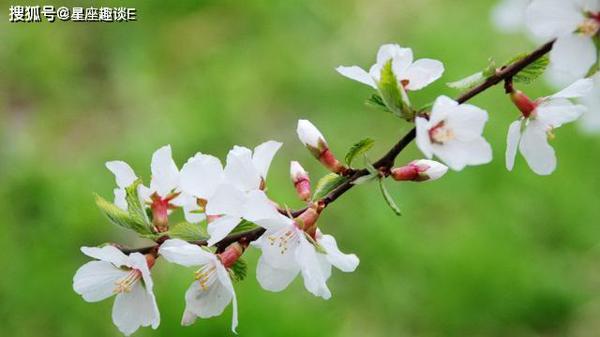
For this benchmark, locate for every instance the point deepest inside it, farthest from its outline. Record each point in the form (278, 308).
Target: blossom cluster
(227, 209)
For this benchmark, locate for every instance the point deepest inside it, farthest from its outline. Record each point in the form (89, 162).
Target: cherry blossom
(127, 277)
(420, 170)
(539, 119)
(314, 141)
(411, 75)
(212, 290)
(453, 133)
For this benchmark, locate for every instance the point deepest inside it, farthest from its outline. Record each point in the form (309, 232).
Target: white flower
(212, 291)
(574, 23)
(287, 251)
(453, 134)
(509, 15)
(411, 75)
(590, 121)
(531, 132)
(126, 276)
(241, 188)
(310, 136)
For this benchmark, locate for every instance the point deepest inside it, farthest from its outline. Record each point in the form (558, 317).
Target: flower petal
(124, 174)
(207, 302)
(423, 139)
(107, 253)
(557, 112)
(260, 210)
(344, 262)
(184, 253)
(225, 280)
(535, 148)
(423, 72)
(358, 74)
(95, 280)
(279, 247)
(311, 268)
(263, 156)
(240, 170)
(134, 309)
(227, 199)
(120, 200)
(201, 175)
(221, 227)
(578, 89)
(275, 279)
(512, 143)
(552, 18)
(467, 122)
(165, 175)
(573, 54)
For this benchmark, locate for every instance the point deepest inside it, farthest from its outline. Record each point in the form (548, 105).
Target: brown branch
(385, 163)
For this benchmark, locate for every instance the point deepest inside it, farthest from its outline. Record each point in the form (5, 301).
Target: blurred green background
(483, 252)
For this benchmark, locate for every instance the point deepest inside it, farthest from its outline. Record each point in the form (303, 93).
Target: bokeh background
(480, 253)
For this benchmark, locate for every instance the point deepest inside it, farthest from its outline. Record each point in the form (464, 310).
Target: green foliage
(388, 198)
(327, 184)
(239, 270)
(359, 148)
(377, 102)
(134, 204)
(467, 82)
(188, 231)
(244, 226)
(392, 94)
(366, 179)
(121, 218)
(532, 71)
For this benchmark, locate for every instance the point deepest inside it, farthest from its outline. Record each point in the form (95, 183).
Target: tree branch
(386, 162)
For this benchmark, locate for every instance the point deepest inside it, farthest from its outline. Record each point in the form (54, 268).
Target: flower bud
(314, 141)
(301, 180)
(231, 254)
(420, 170)
(307, 221)
(524, 103)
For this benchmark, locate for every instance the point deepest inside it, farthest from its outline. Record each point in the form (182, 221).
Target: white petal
(423, 139)
(442, 107)
(227, 199)
(557, 112)
(279, 247)
(207, 302)
(512, 143)
(312, 272)
(134, 309)
(191, 210)
(221, 227)
(536, 150)
(120, 200)
(188, 318)
(124, 174)
(201, 175)
(578, 89)
(240, 170)
(590, 122)
(165, 175)
(467, 122)
(95, 280)
(423, 72)
(343, 262)
(184, 253)
(553, 18)
(478, 152)
(139, 262)
(260, 210)
(308, 134)
(107, 253)
(263, 155)
(457, 154)
(358, 74)
(275, 279)
(509, 15)
(225, 280)
(574, 54)
(402, 57)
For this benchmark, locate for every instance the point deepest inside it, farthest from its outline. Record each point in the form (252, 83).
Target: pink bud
(314, 141)
(307, 221)
(231, 254)
(420, 170)
(301, 180)
(524, 103)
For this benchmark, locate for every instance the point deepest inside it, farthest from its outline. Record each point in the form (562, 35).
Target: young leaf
(134, 204)
(121, 218)
(359, 148)
(491, 68)
(188, 231)
(366, 179)
(377, 102)
(327, 184)
(239, 270)
(467, 82)
(244, 226)
(532, 71)
(388, 198)
(393, 95)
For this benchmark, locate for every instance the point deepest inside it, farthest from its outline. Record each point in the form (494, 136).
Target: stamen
(590, 27)
(440, 134)
(205, 276)
(282, 240)
(125, 284)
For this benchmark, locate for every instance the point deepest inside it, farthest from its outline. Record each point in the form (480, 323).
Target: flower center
(440, 134)
(591, 26)
(125, 284)
(281, 240)
(205, 275)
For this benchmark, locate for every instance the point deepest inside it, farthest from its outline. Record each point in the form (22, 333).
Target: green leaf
(370, 167)
(188, 231)
(467, 82)
(491, 68)
(359, 148)
(327, 184)
(388, 198)
(532, 71)
(377, 102)
(239, 270)
(366, 179)
(244, 226)
(134, 204)
(121, 218)
(393, 95)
